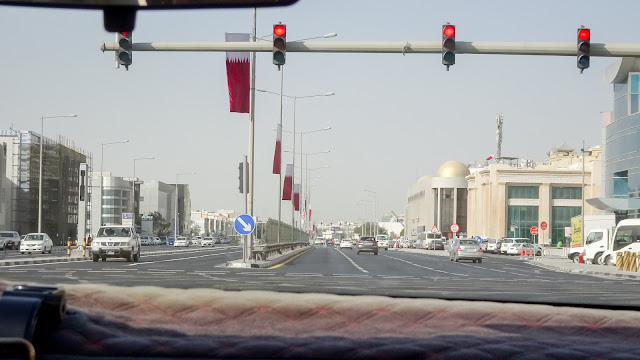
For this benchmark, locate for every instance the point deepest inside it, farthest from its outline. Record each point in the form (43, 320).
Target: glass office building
(622, 143)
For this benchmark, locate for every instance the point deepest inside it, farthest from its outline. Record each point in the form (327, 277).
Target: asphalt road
(331, 270)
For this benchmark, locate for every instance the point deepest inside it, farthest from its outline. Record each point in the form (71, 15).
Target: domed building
(438, 201)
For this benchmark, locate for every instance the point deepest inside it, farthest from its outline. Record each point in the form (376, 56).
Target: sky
(394, 118)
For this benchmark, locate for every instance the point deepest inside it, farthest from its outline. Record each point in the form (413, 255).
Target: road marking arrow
(245, 226)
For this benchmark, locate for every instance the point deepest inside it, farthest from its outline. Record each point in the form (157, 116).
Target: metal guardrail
(263, 252)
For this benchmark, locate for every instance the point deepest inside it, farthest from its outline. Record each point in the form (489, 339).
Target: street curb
(586, 272)
(277, 261)
(80, 258)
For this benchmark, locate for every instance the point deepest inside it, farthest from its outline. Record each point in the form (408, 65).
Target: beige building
(506, 200)
(439, 201)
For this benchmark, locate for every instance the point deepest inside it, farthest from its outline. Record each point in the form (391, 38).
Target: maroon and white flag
(309, 213)
(296, 197)
(276, 156)
(238, 74)
(288, 183)
(304, 210)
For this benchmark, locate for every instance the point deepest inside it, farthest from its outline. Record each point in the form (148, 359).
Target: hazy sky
(394, 118)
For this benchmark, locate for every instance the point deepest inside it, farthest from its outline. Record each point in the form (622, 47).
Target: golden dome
(453, 169)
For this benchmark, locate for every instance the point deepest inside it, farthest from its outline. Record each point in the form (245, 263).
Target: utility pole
(499, 122)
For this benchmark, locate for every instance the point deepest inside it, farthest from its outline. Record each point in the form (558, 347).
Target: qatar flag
(309, 213)
(296, 197)
(276, 156)
(238, 74)
(288, 183)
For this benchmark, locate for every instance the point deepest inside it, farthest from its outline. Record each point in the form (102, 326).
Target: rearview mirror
(120, 15)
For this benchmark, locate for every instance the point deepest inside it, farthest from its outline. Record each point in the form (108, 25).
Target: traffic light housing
(241, 177)
(448, 45)
(124, 54)
(279, 44)
(584, 48)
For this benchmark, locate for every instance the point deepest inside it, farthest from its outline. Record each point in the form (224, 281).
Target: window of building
(461, 209)
(560, 219)
(559, 192)
(523, 192)
(621, 184)
(110, 192)
(634, 91)
(520, 219)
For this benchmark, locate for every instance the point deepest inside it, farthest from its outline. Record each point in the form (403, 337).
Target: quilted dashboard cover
(202, 323)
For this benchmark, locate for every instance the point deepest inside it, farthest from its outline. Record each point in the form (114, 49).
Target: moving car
(367, 244)
(383, 241)
(36, 242)
(9, 239)
(181, 241)
(116, 241)
(346, 244)
(319, 242)
(465, 249)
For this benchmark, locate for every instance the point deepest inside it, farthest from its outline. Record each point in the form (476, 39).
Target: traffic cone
(581, 258)
(522, 253)
(530, 252)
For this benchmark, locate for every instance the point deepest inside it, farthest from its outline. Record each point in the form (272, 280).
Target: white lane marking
(212, 272)
(484, 268)
(352, 262)
(350, 275)
(162, 270)
(256, 273)
(43, 264)
(397, 277)
(302, 274)
(216, 278)
(182, 258)
(106, 271)
(424, 267)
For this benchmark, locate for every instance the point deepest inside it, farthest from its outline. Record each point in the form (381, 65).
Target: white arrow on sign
(245, 226)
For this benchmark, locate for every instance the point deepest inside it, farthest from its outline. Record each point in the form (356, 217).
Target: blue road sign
(244, 224)
(479, 239)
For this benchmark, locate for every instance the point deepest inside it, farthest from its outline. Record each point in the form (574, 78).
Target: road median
(565, 265)
(275, 262)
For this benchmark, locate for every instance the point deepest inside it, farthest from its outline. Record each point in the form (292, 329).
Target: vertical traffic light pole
(252, 123)
(278, 54)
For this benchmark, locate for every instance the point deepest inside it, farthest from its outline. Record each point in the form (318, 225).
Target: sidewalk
(567, 265)
(76, 255)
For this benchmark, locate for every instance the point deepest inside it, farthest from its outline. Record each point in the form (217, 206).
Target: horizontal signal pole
(401, 47)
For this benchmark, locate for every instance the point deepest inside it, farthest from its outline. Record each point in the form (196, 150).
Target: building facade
(156, 196)
(117, 198)
(508, 200)
(60, 183)
(621, 141)
(438, 201)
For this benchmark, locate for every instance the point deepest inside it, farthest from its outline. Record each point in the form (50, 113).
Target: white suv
(117, 241)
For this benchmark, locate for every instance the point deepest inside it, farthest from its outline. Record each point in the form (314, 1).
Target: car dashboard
(114, 322)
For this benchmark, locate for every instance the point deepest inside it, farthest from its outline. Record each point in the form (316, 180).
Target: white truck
(626, 237)
(598, 230)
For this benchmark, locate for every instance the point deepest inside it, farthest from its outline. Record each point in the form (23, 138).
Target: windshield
(373, 139)
(36, 237)
(6, 234)
(114, 232)
(594, 237)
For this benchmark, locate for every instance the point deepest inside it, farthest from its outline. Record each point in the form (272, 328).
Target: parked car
(465, 249)
(207, 241)
(146, 240)
(170, 241)
(435, 245)
(346, 244)
(492, 245)
(516, 249)
(9, 239)
(181, 241)
(505, 243)
(163, 240)
(367, 244)
(156, 240)
(36, 242)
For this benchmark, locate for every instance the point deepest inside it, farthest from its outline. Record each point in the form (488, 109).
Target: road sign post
(244, 225)
(454, 228)
(543, 227)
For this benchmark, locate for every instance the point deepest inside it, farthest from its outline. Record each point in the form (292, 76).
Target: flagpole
(293, 203)
(280, 174)
(252, 123)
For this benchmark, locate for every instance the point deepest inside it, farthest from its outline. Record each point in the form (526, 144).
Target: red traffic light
(449, 31)
(279, 30)
(584, 34)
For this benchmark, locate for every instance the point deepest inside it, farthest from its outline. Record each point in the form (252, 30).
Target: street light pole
(41, 167)
(375, 208)
(133, 193)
